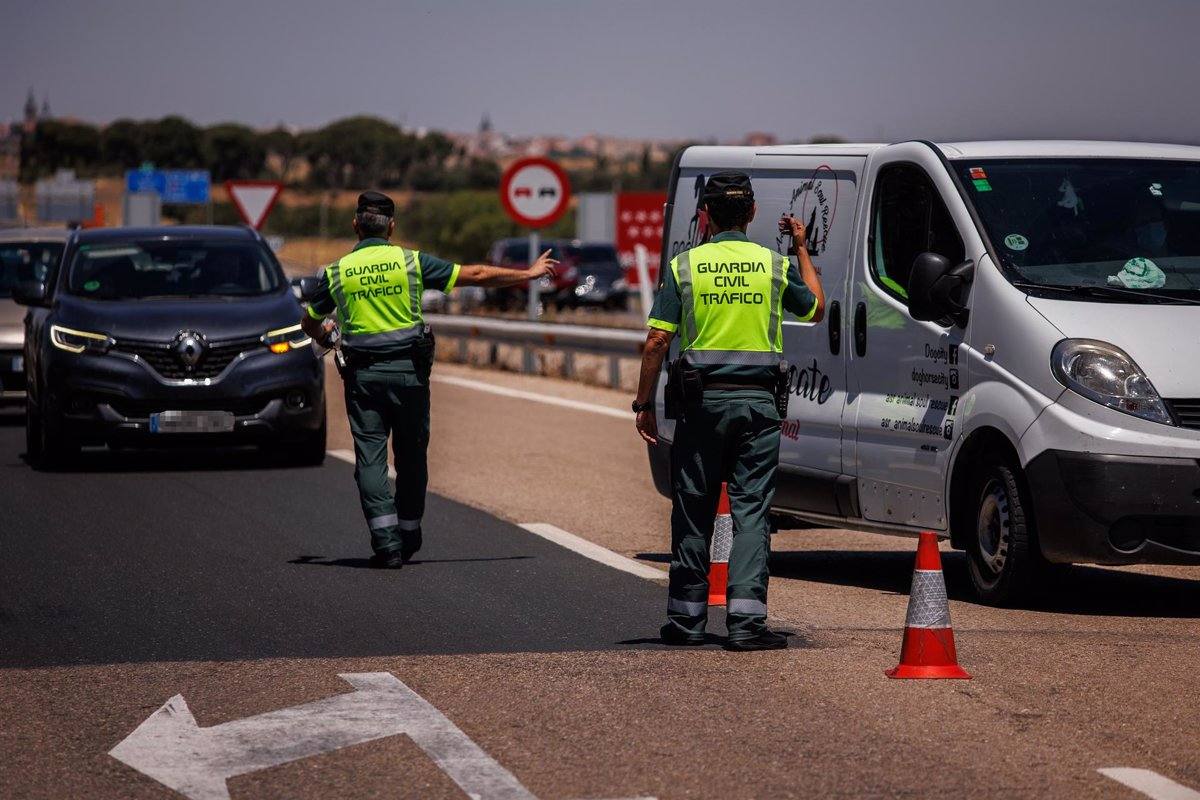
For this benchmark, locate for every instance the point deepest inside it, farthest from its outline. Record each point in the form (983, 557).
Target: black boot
(677, 637)
(392, 559)
(766, 639)
(411, 543)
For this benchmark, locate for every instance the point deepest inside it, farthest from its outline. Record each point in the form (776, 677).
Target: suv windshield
(1093, 225)
(172, 268)
(26, 261)
(596, 258)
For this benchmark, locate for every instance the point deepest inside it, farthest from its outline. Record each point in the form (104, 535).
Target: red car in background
(559, 291)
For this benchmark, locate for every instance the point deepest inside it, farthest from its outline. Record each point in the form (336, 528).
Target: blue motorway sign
(187, 186)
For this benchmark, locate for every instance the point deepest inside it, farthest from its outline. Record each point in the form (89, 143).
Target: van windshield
(1118, 229)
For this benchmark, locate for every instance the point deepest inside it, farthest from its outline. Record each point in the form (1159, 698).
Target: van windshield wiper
(1112, 292)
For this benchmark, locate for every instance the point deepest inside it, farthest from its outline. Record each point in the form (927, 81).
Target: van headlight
(282, 340)
(74, 341)
(1106, 374)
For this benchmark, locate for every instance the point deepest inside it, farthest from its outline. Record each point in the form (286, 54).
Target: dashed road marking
(564, 539)
(594, 551)
(1150, 783)
(520, 394)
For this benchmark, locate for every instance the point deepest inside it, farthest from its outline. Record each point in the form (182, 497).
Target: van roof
(735, 157)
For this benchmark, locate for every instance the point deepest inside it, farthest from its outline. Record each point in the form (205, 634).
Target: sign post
(535, 193)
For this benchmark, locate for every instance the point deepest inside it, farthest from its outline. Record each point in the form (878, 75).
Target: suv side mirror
(937, 291)
(305, 288)
(31, 293)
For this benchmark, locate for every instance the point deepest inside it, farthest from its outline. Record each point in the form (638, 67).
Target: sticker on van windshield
(1015, 241)
(1156, 189)
(982, 185)
(977, 174)
(92, 286)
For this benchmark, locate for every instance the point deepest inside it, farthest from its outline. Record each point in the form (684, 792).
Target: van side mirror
(30, 293)
(305, 288)
(938, 291)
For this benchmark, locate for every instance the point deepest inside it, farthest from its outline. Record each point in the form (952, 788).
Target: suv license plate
(191, 422)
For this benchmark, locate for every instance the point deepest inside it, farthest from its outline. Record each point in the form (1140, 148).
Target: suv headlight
(1106, 374)
(74, 341)
(282, 340)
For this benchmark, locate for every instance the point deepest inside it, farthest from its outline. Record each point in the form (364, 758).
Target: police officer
(375, 293)
(725, 299)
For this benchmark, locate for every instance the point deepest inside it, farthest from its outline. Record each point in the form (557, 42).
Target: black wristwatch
(640, 407)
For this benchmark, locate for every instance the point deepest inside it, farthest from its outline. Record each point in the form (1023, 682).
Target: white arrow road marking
(171, 748)
(1150, 783)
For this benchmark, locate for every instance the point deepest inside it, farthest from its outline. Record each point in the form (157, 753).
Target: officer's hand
(543, 266)
(328, 326)
(788, 224)
(647, 426)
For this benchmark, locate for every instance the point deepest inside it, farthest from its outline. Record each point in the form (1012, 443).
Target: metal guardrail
(614, 343)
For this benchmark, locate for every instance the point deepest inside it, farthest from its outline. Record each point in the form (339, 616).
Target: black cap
(375, 203)
(728, 186)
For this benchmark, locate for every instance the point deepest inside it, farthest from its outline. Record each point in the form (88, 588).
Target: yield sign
(253, 199)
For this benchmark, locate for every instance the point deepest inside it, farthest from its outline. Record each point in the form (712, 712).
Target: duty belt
(733, 384)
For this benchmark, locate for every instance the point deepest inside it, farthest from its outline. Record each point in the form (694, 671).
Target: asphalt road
(242, 586)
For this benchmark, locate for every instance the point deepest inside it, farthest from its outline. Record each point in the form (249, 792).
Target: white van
(1011, 350)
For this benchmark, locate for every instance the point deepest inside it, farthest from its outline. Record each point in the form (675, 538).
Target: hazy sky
(886, 70)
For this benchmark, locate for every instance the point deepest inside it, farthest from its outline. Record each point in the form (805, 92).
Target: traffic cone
(928, 648)
(722, 543)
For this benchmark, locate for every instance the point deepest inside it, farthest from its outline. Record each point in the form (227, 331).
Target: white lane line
(550, 400)
(594, 551)
(196, 762)
(564, 539)
(1150, 783)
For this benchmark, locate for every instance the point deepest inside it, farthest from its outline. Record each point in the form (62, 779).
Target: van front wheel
(1002, 554)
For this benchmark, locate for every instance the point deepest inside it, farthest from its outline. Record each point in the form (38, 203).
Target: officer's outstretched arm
(492, 277)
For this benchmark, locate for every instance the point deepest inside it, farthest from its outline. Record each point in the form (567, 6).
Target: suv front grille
(140, 409)
(1186, 412)
(162, 358)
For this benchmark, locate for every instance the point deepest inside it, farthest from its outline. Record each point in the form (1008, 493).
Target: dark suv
(559, 291)
(164, 336)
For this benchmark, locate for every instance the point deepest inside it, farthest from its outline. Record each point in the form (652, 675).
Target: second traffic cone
(722, 544)
(928, 648)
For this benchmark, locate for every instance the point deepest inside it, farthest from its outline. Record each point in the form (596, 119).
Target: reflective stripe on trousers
(688, 607)
(746, 607)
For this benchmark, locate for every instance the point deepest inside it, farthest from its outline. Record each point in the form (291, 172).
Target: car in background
(168, 336)
(600, 278)
(26, 254)
(514, 253)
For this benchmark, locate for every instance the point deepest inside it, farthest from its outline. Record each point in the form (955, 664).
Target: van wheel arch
(992, 519)
(982, 442)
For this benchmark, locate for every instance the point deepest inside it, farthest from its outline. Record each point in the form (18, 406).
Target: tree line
(348, 153)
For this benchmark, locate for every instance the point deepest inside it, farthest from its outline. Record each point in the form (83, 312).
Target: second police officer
(374, 292)
(725, 300)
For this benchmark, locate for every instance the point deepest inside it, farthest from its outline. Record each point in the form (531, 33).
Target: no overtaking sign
(535, 192)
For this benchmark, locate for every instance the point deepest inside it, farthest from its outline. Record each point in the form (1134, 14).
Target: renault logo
(189, 348)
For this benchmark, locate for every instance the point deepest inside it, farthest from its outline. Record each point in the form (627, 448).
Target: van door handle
(860, 330)
(835, 327)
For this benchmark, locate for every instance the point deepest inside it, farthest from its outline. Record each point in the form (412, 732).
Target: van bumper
(1108, 509)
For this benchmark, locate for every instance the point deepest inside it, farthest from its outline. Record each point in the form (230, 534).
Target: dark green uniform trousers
(381, 400)
(732, 437)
